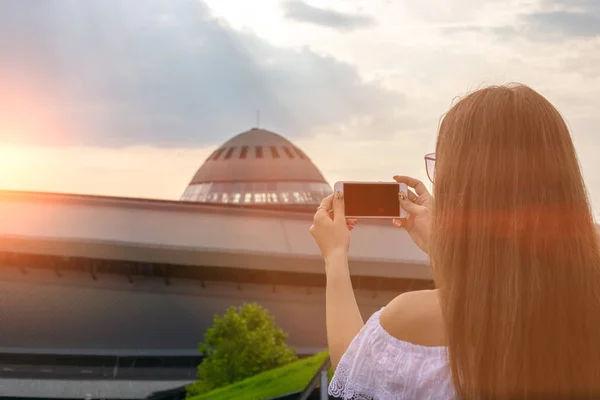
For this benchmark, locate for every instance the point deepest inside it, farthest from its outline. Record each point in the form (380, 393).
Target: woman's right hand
(418, 204)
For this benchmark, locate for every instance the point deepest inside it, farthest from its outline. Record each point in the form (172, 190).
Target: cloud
(562, 23)
(112, 73)
(553, 20)
(298, 10)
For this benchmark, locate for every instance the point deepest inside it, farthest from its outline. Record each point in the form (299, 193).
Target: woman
(515, 261)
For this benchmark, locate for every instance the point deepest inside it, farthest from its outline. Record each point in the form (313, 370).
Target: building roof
(193, 234)
(258, 155)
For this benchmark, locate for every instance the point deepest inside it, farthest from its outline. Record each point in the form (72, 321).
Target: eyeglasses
(430, 166)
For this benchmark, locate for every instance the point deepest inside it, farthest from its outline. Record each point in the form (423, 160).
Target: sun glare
(31, 114)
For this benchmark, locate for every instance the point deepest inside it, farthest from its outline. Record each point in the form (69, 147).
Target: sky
(128, 98)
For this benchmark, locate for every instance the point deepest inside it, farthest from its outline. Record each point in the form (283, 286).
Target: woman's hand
(418, 206)
(330, 228)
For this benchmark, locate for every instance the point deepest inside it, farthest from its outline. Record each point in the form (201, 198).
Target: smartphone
(372, 199)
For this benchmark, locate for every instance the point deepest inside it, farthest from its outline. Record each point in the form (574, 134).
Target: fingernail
(339, 195)
(402, 196)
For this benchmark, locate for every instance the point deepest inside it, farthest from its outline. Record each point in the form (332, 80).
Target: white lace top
(378, 366)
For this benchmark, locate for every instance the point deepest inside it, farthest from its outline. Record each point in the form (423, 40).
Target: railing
(321, 377)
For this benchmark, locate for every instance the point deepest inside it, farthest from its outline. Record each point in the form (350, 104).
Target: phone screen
(372, 200)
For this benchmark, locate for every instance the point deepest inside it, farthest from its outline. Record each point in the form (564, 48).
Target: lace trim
(341, 387)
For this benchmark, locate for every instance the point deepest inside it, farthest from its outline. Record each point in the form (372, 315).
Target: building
(106, 289)
(258, 167)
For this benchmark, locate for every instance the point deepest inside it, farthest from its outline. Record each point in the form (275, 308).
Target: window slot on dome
(217, 154)
(274, 152)
(259, 153)
(229, 153)
(244, 152)
(288, 152)
(300, 153)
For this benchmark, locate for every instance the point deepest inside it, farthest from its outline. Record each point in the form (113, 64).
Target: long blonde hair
(514, 251)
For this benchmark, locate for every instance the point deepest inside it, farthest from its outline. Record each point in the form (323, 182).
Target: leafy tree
(242, 343)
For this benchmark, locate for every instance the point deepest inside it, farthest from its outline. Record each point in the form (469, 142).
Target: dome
(258, 168)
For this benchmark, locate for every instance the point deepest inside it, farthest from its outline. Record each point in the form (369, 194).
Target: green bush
(242, 343)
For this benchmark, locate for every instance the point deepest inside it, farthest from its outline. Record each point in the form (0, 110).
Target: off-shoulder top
(378, 366)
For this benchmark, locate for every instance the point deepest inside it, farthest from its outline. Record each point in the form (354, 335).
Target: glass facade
(259, 193)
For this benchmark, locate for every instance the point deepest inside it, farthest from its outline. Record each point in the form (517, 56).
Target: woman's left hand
(330, 227)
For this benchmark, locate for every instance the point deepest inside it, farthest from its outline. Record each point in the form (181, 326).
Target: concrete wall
(41, 312)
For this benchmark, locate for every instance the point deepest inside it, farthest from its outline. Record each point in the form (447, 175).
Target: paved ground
(80, 389)
(94, 373)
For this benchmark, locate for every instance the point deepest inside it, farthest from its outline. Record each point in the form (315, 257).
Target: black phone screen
(372, 199)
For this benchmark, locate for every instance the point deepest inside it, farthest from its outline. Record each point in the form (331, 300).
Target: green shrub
(242, 343)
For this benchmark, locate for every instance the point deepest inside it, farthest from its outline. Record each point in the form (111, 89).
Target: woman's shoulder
(415, 317)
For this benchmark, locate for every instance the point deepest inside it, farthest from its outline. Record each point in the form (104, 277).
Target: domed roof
(258, 155)
(258, 167)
